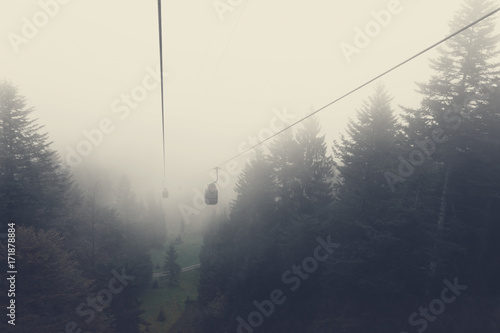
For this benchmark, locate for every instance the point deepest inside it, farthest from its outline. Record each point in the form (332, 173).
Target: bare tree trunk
(446, 185)
(93, 224)
(483, 233)
(440, 222)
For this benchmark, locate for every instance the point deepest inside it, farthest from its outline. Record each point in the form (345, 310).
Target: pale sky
(225, 77)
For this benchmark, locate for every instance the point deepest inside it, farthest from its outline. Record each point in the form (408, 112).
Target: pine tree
(255, 191)
(315, 194)
(126, 205)
(171, 267)
(216, 256)
(284, 156)
(365, 155)
(452, 99)
(376, 239)
(475, 197)
(50, 285)
(161, 315)
(315, 171)
(154, 223)
(32, 184)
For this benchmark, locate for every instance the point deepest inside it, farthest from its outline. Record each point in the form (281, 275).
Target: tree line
(412, 199)
(82, 264)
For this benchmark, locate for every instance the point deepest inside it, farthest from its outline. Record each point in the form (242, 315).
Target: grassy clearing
(172, 298)
(188, 251)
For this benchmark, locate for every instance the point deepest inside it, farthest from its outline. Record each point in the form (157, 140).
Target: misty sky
(225, 77)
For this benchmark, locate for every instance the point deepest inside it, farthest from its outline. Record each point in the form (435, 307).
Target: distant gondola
(211, 194)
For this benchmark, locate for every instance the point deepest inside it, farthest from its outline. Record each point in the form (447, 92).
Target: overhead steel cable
(362, 85)
(161, 84)
(222, 57)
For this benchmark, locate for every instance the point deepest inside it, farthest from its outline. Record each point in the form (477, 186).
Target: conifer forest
(232, 166)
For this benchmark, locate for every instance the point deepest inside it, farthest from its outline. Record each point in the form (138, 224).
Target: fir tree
(126, 204)
(161, 315)
(32, 184)
(255, 191)
(452, 99)
(315, 171)
(171, 267)
(284, 156)
(51, 284)
(366, 154)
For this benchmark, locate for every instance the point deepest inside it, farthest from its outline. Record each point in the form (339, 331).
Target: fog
(229, 75)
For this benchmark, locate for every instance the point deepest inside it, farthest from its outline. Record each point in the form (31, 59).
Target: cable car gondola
(211, 192)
